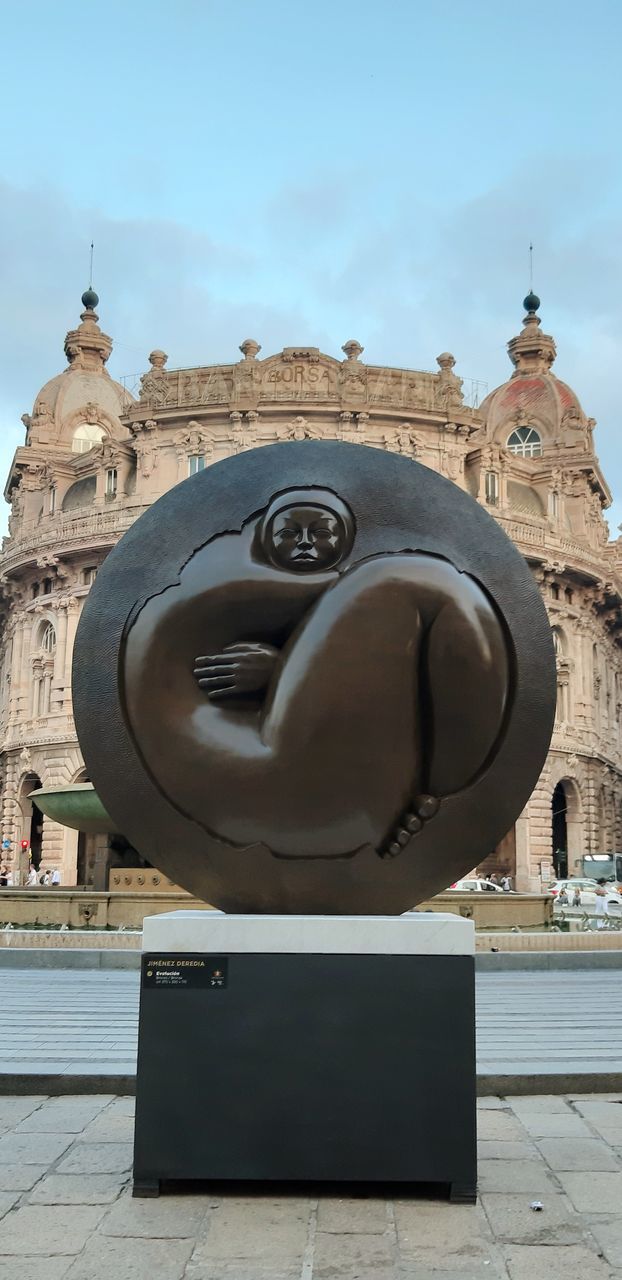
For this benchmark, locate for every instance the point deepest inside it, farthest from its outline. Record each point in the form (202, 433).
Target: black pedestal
(354, 1068)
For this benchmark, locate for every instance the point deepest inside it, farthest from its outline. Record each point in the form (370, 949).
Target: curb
(485, 961)
(549, 1083)
(60, 1085)
(52, 958)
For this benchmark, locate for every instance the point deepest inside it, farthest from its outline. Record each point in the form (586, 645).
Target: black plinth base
(320, 1068)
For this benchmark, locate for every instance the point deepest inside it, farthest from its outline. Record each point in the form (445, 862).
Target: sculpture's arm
(466, 688)
(242, 668)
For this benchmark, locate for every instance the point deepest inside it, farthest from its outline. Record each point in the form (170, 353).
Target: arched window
(48, 638)
(86, 436)
(525, 442)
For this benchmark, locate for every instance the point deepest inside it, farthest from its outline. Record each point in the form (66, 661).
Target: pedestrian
(3, 876)
(602, 906)
(9, 878)
(506, 883)
(562, 897)
(31, 878)
(55, 880)
(45, 878)
(576, 897)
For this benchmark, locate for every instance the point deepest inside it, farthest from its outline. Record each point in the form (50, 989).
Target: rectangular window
(196, 462)
(492, 488)
(553, 504)
(111, 482)
(52, 501)
(89, 575)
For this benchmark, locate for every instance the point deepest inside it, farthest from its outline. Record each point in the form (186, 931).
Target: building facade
(95, 457)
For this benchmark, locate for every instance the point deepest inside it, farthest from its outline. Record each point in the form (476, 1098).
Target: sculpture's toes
(424, 808)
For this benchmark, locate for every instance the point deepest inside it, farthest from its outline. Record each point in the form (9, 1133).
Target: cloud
(343, 254)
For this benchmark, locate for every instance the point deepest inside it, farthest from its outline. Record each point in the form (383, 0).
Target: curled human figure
(283, 693)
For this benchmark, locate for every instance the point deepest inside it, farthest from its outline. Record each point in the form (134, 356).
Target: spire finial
(532, 301)
(89, 297)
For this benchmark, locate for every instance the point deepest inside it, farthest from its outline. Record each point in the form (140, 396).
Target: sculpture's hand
(240, 668)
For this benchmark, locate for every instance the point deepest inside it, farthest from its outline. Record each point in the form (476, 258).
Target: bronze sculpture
(316, 691)
(313, 666)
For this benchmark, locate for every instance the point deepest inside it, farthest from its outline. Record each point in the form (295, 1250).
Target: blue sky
(310, 174)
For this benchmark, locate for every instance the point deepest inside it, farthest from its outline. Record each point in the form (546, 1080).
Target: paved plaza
(76, 1022)
(66, 1212)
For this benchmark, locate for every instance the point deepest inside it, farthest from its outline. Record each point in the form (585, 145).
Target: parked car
(475, 885)
(587, 888)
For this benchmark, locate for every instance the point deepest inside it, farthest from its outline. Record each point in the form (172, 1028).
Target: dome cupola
(531, 351)
(534, 408)
(84, 393)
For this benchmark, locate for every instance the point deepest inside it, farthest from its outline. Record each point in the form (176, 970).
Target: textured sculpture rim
(397, 504)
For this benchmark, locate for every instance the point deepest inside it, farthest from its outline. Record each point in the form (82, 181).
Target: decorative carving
(145, 446)
(243, 430)
(298, 376)
(352, 380)
(405, 440)
(448, 384)
(300, 429)
(154, 385)
(250, 349)
(353, 349)
(193, 439)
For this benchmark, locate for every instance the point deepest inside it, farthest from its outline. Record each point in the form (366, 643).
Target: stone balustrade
(63, 531)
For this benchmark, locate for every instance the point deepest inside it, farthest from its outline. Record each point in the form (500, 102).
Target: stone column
(524, 882)
(52, 845)
(11, 812)
(73, 617)
(60, 659)
(16, 670)
(540, 828)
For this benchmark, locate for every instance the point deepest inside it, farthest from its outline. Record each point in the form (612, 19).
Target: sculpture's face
(306, 539)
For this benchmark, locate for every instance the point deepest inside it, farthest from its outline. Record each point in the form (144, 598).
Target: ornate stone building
(95, 457)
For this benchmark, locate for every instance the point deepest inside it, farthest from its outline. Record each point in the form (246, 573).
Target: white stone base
(425, 933)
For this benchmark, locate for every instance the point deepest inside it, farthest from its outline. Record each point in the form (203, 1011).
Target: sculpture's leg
(339, 751)
(335, 761)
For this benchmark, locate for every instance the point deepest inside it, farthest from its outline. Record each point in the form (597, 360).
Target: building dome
(84, 388)
(533, 399)
(541, 398)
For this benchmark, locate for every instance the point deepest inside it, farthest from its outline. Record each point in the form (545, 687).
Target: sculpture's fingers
(212, 669)
(216, 694)
(214, 659)
(218, 682)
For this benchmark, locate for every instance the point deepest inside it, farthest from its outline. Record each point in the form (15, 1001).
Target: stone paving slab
(71, 1216)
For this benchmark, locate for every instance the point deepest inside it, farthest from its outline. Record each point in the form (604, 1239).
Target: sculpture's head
(306, 531)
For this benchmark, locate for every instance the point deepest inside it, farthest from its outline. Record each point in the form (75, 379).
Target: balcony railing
(58, 531)
(553, 544)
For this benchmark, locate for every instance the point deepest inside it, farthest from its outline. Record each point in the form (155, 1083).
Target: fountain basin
(77, 806)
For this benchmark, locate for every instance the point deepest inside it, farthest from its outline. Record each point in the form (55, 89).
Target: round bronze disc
(315, 677)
